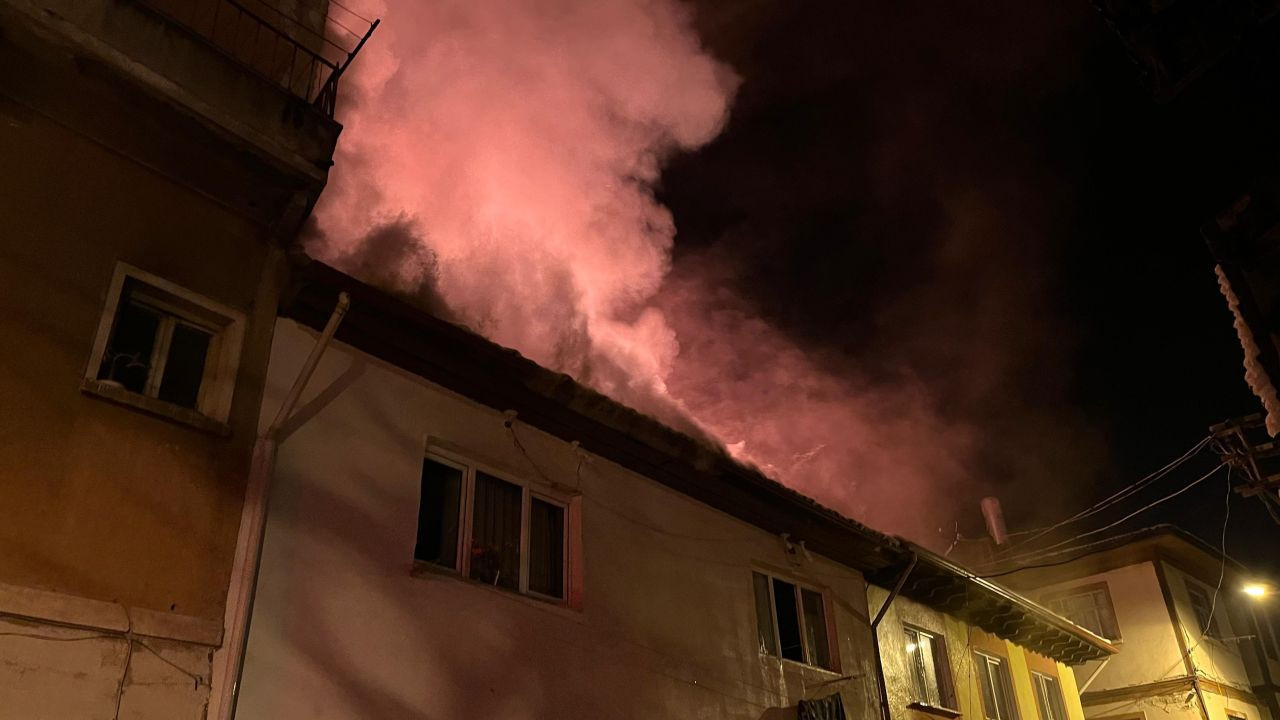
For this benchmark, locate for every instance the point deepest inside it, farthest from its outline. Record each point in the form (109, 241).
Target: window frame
(947, 697)
(833, 650)
(466, 509)
(989, 659)
(1212, 628)
(1107, 606)
(225, 326)
(1039, 686)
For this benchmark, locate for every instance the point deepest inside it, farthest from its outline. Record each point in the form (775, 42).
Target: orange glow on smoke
(520, 143)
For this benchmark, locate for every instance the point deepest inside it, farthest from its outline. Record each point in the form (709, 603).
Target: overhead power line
(1130, 516)
(1119, 495)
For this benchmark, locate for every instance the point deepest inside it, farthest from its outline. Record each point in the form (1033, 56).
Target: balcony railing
(305, 61)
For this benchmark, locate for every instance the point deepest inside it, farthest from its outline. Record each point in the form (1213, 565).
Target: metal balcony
(306, 59)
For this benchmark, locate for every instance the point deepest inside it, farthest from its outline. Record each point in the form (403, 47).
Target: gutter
(253, 523)
(875, 634)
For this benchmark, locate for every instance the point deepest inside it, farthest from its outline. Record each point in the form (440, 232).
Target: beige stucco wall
(962, 641)
(1149, 649)
(342, 629)
(1216, 659)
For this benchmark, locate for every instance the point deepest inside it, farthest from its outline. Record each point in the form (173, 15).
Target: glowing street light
(1257, 590)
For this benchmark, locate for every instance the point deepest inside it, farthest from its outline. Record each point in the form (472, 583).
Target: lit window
(491, 530)
(1049, 697)
(1089, 607)
(930, 672)
(165, 346)
(996, 687)
(791, 622)
(1205, 612)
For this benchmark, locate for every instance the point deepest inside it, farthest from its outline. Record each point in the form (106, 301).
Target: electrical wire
(1130, 516)
(1222, 573)
(1121, 494)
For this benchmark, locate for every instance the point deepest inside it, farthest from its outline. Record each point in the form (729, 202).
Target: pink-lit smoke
(512, 147)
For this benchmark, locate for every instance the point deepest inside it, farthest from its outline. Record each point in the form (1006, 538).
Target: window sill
(935, 710)
(797, 665)
(426, 570)
(152, 406)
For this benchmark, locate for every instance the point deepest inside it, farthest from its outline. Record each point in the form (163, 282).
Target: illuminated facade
(1192, 645)
(455, 531)
(157, 162)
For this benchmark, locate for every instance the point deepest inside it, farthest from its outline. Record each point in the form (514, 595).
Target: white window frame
(947, 699)
(222, 361)
(1040, 686)
(990, 659)
(833, 649)
(528, 491)
(1103, 605)
(1218, 626)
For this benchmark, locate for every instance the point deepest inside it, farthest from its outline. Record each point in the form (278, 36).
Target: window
(162, 346)
(996, 687)
(930, 672)
(1049, 697)
(791, 622)
(1202, 606)
(1089, 607)
(490, 529)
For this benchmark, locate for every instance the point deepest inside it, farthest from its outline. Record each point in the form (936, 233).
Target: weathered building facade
(948, 651)
(457, 532)
(1191, 645)
(156, 165)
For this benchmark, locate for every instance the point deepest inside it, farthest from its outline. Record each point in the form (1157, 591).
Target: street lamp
(1257, 590)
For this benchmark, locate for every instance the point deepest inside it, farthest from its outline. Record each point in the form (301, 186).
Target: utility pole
(1245, 446)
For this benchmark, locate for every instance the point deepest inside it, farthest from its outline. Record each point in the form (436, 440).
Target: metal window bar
(308, 69)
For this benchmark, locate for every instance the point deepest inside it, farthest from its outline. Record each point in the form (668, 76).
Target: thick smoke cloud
(504, 154)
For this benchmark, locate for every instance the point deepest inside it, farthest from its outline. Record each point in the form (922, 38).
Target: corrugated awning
(955, 590)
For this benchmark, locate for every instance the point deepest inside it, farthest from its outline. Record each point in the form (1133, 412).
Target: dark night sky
(986, 195)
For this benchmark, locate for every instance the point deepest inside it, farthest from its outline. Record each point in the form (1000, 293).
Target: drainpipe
(253, 523)
(875, 635)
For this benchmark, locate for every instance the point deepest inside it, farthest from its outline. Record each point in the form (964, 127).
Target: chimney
(994, 516)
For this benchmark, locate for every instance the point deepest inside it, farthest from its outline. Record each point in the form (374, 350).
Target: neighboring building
(158, 157)
(1191, 645)
(456, 532)
(943, 660)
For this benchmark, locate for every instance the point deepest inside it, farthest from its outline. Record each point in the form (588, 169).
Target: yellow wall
(962, 641)
(100, 500)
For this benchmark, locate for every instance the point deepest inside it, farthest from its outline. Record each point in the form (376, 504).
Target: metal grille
(304, 61)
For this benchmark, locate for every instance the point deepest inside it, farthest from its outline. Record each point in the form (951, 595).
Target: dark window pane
(928, 661)
(184, 368)
(546, 548)
(765, 640)
(784, 598)
(1054, 691)
(1042, 697)
(495, 533)
(1206, 618)
(438, 514)
(1004, 692)
(128, 357)
(988, 681)
(815, 628)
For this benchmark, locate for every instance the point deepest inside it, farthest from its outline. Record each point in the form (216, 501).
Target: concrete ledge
(172, 626)
(108, 617)
(32, 604)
